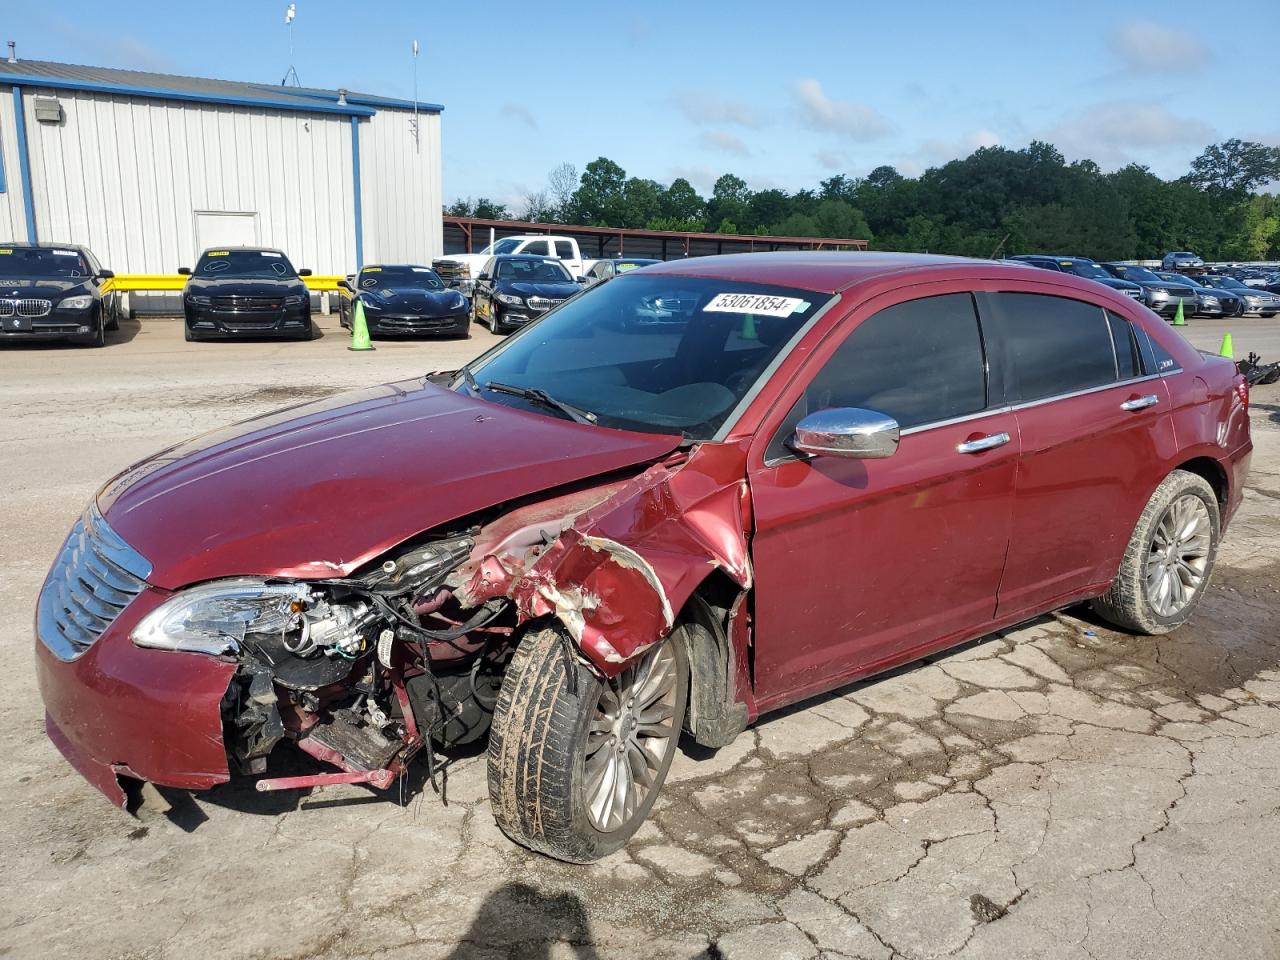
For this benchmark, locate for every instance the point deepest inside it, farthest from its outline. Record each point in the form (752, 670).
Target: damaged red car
(694, 494)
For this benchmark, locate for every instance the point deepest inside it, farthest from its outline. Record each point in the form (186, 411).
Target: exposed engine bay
(364, 672)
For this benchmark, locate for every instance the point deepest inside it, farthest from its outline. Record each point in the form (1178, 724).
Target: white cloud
(857, 121)
(517, 112)
(726, 142)
(705, 108)
(1146, 46)
(937, 151)
(830, 160)
(701, 176)
(1115, 133)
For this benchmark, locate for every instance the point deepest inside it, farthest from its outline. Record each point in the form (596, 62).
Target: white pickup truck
(465, 267)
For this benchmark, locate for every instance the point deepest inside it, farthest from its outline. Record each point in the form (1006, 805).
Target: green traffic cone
(359, 329)
(1226, 350)
(749, 327)
(1178, 319)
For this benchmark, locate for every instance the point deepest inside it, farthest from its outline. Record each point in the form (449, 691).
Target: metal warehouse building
(148, 169)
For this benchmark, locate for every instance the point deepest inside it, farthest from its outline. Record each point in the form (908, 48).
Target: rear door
(1095, 426)
(860, 562)
(567, 251)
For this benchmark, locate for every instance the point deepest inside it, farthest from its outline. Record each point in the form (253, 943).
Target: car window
(245, 264)
(564, 249)
(1126, 346)
(1054, 345)
(42, 263)
(919, 362)
(488, 268)
(533, 271)
(506, 245)
(538, 248)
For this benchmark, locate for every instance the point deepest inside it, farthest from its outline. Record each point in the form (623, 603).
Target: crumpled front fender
(616, 564)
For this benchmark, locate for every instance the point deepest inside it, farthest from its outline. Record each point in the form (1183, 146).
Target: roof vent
(13, 51)
(342, 97)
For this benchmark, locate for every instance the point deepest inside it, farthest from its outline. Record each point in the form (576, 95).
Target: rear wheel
(1169, 560)
(576, 762)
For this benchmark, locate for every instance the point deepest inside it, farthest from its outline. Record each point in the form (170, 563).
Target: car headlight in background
(76, 303)
(458, 300)
(370, 302)
(213, 618)
(510, 299)
(296, 300)
(200, 301)
(1210, 301)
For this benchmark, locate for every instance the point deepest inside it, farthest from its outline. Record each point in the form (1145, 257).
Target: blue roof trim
(300, 102)
(369, 100)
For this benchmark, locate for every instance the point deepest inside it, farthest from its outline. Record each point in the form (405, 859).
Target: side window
(538, 248)
(1127, 364)
(489, 267)
(920, 362)
(564, 249)
(1054, 345)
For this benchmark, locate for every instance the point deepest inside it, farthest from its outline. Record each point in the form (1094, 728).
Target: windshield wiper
(470, 380)
(539, 396)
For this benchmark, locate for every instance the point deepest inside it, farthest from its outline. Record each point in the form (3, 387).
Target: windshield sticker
(372, 269)
(756, 303)
(268, 253)
(7, 251)
(65, 253)
(421, 269)
(218, 253)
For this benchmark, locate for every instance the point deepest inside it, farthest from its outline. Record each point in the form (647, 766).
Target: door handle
(1140, 402)
(983, 443)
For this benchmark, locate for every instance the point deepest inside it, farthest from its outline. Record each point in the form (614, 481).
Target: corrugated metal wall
(401, 190)
(126, 176)
(12, 222)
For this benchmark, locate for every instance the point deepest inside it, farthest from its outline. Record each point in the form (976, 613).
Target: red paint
(846, 567)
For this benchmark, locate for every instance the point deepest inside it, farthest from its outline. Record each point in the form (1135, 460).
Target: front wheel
(576, 762)
(1169, 560)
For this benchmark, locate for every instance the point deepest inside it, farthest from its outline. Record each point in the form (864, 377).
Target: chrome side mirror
(847, 432)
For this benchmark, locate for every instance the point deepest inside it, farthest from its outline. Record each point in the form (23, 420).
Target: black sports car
(401, 299)
(513, 290)
(53, 291)
(246, 292)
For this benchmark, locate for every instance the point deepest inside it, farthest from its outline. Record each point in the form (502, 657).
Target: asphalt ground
(1059, 790)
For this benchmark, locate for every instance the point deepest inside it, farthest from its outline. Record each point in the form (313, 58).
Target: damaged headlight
(214, 618)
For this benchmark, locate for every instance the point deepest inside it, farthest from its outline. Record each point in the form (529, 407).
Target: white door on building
(224, 228)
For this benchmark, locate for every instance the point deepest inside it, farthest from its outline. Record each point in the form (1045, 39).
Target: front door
(860, 562)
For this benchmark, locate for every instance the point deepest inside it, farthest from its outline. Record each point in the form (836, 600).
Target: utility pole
(417, 144)
(289, 14)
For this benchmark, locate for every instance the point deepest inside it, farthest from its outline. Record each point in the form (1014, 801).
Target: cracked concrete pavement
(1059, 790)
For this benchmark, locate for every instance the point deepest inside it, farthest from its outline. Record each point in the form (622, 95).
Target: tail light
(1242, 391)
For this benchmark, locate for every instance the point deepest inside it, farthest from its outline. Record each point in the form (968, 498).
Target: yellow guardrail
(125, 282)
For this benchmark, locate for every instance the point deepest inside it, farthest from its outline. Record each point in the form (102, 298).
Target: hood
(319, 489)
(244, 287)
(417, 299)
(45, 289)
(552, 291)
(1117, 284)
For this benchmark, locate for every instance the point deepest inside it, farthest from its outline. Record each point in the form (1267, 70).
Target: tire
(99, 337)
(1148, 595)
(544, 724)
(113, 312)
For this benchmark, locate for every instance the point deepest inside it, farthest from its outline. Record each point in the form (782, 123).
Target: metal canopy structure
(464, 234)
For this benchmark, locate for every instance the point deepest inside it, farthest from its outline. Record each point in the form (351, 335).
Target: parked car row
(51, 291)
(1165, 290)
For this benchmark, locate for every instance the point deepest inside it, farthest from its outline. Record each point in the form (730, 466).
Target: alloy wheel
(633, 727)
(1178, 555)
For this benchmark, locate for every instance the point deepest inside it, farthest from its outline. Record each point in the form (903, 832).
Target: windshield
(533, 271)
(1136, 274)
(1090, 270)
(502, 246)
(246, 264)
(36, 263)
(375, 278)
(1228, 283)
(655, 353)
(625, 266)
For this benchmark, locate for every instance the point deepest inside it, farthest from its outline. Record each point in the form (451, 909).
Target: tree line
(995, 202)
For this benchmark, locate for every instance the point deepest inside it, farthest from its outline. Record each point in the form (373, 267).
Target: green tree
(729, 201)
(641, 202)
(1235, 165)
(598, 201)
(680, 202)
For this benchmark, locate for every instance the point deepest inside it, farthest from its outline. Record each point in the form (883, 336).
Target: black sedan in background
(402, 299)
(53, 291)
(246, 292)
(512, 290)
(612, 267)
(1256, 300)
(1083, 267)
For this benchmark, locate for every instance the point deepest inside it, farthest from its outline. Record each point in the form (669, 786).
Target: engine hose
(488, 612)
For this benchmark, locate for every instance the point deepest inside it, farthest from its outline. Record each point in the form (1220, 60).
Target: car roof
(398, 266)
(524, 256)
(837, 271)
(43, 245)
(245, 250)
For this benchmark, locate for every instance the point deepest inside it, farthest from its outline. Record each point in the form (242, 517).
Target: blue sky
(782, 94)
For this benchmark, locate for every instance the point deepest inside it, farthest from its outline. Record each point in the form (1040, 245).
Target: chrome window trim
(939, 424)
(1083, 393)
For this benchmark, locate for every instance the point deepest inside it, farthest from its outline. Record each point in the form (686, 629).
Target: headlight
(1210, 301)
(370, 303)
(76, 303)
(510, 299)
(200, 301)
(214, 618)
(458, 299)
(294, 301)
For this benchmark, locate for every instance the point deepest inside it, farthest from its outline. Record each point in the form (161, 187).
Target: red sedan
(696, 493)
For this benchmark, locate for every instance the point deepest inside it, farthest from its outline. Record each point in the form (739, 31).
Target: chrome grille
(25, 308)
(248, 304)
(1136, 294)
(95, 576)
(542, 303)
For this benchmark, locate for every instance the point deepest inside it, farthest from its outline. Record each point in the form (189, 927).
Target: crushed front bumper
(119, 710)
